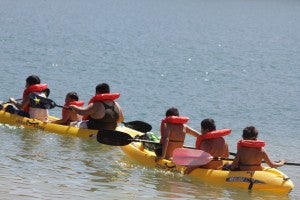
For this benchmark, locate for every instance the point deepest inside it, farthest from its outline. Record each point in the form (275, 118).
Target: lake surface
(234, 61)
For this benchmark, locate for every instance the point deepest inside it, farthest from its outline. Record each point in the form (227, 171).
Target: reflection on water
(46, 161)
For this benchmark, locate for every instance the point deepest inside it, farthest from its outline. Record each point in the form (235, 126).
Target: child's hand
(12, 100)
(281, 162)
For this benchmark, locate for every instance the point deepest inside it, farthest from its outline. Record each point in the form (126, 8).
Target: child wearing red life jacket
(33, 85)
(102, 111)
(68, 115)
(251, 152)
(212, 142)
(173, 130)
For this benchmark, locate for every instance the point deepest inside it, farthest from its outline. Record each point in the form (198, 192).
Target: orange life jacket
(172, 120)
(251, 143)
(211, 135)
(76, 103)
(102, 97)
(33, 88)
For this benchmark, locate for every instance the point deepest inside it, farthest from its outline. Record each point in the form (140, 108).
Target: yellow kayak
(269, 180)
(16, 120)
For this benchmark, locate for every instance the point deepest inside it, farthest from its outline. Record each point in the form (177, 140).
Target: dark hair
(73, 95)
(208, 125)
(172, 112)
(33, 79)
(102, 88)
(250, 133)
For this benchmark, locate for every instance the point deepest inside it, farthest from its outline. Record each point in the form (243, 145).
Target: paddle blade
(138, 126)
(191, 157)
(114, 138)
(37, 101)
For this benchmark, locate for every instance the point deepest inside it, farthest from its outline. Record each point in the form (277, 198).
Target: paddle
(193, 157)
(37, 101)
(139, 126)
(188, 147)
(3, 102)
(7, 102)
(117, 138)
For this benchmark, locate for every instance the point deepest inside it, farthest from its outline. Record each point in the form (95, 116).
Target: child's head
(71, 96)
(208, 125)
(250, 133)
(32, 80)
(172, 112)
(102, 88)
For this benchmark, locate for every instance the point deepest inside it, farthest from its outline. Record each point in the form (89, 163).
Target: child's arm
(165, 144)
(121, 116)
(84, 111)
(191, 131)
(65, 118)
(235, 162)
(270, 162)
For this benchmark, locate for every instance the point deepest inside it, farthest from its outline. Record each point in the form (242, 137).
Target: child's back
(251, 152)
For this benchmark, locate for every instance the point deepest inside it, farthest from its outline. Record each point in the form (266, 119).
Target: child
(173, 130)
(102, 112)
(250, 153)
(216, 145)
(68, 115)
(33, 85)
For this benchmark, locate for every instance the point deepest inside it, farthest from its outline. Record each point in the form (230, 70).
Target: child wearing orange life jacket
(212, 142)
(33, 85)
(251, 152)
(102, 111)
(68, 115)
(173, 130)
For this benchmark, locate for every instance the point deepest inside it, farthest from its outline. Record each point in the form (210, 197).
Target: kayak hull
(268, 180)
(16, 120)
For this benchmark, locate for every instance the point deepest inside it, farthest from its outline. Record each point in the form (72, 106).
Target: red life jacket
(211, 135)
(102, 97)
(251, 143)
(76, 103)
(33, 88)
(172, 120)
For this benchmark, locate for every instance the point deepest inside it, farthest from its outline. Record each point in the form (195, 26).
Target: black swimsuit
(109, 121)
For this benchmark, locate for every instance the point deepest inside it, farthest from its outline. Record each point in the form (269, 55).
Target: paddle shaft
(146, 141)
(188, 147)
(231, 159)
(295, 164)
(62, 107)
(234, 154)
